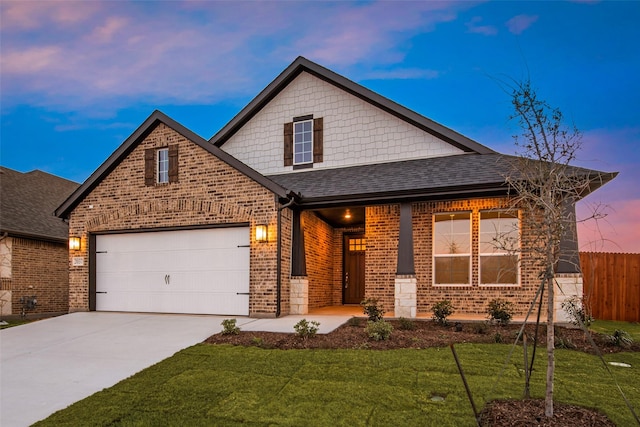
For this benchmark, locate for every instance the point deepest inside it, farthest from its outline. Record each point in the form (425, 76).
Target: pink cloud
(519, 23)
(106, 32)
(617, 232)
(474, 27)
(31, 15)
(356, 34)
(134, 49)
(30, 61)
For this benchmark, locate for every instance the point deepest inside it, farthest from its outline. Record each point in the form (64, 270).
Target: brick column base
(406, 296)
(568, 285)
(299, 296)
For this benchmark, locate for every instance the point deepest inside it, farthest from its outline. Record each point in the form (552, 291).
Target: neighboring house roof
(302, 64)
(136, 137)
(27, 203)
(430, 178)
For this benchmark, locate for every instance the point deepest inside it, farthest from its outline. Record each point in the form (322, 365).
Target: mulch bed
(426, 333)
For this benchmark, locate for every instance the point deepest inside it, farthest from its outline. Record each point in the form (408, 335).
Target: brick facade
(318, 242)
(35, 268)
(208, 192)
(382, 233)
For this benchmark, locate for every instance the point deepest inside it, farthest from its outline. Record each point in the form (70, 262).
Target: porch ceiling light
(74, 243)
(347, 214)
(262, 233)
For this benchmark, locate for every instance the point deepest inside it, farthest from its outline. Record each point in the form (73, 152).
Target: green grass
(609, 326)
(14, 322)
(208, 385)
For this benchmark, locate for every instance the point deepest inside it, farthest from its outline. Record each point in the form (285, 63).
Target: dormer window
(302, 142)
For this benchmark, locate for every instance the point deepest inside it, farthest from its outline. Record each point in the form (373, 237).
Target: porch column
(568, 276)
(568, 285)
(406, 286)
(299, 294)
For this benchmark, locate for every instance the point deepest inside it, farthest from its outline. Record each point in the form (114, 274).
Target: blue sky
(77, 78)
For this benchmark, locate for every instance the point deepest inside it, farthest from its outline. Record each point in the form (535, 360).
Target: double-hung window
(303, 142)
(499, 248)
(452, 248)
(162, 166)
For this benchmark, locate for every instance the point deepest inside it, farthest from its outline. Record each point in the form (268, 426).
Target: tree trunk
(551, 363)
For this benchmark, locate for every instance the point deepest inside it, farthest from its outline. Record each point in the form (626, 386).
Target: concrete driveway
(49, 364)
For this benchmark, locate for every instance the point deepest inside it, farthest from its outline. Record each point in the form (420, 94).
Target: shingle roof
(27, 203)
(436, 177)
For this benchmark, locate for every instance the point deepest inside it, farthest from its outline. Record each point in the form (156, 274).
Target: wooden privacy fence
(612, 285)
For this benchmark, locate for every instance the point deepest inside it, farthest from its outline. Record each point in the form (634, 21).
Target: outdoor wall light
(262, 233)
(74, 243)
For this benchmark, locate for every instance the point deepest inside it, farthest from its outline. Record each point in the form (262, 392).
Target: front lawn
(211, 385)
(610, 326)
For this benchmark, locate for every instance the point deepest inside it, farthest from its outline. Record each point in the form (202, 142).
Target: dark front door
(353, 278)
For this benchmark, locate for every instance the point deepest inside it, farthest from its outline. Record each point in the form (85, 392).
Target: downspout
(279, 256)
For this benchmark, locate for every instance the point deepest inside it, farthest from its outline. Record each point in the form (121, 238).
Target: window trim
(302, 121)
(159, 161)
(504, 253)
(468, 255)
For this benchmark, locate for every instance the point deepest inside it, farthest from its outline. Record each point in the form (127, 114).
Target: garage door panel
(193, 271)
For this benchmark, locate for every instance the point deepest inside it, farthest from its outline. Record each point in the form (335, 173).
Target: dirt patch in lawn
(426, 333)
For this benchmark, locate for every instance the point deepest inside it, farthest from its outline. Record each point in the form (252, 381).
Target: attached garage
(201, 271)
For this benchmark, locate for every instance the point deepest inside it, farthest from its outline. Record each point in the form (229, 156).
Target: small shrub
(497, 338)
(564, 342)
(229, 327)
(441, 310)
(480, 328)
(406, 324)
(379, 331)
(305, 329)
(621, 338)
(577, 311)
(257, 341)
(500, 311)
(354, 321)
(373, 309)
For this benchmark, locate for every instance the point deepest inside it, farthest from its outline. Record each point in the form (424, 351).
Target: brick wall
(208, 192)
(382, 231)
(318, 242)
(471, 299)
(39, 269)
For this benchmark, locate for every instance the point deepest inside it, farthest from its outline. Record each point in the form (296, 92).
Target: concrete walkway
(47, 365)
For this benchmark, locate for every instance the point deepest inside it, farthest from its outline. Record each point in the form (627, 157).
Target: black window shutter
(317, 140)
(288, 144)
(173, 163)
(149, 166)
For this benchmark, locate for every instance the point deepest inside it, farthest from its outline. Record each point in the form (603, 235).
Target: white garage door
(203, 271)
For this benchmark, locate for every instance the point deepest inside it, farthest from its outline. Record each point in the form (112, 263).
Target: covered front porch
(340, 256)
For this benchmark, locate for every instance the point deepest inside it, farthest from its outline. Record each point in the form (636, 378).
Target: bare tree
(545, 187)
